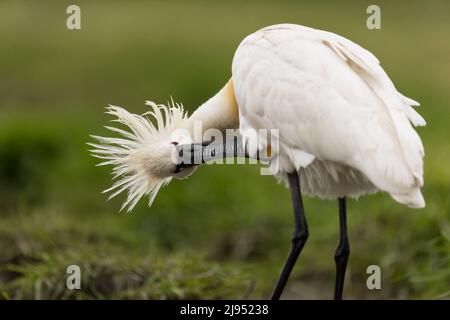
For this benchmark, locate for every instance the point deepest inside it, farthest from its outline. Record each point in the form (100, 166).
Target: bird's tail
(413, 199)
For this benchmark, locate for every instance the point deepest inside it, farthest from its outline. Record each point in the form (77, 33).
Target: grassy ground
(225, 232)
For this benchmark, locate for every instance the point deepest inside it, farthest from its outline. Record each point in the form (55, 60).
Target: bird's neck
(220, 112)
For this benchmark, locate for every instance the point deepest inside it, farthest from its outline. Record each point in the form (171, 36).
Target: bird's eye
(180, 167)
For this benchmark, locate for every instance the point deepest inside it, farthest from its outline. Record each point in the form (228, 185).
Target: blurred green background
(225, 232)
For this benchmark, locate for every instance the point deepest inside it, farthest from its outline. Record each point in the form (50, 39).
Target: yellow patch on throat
(232, 103)
(268, 151)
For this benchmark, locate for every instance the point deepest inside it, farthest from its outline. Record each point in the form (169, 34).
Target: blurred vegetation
(217, 235)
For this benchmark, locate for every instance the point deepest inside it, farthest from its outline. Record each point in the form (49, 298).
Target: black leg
(299, 237)
(342, 251)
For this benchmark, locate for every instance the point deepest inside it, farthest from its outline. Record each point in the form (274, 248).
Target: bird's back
(342, 123)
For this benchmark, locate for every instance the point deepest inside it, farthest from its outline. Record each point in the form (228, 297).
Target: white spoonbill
(344, 129)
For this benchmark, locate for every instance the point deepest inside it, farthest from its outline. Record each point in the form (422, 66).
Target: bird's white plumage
(141, 156)
(343, 125)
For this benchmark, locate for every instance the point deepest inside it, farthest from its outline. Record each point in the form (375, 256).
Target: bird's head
(143, 155)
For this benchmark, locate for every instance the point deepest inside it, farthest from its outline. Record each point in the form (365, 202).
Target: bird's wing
(367, 66)
(331, 99)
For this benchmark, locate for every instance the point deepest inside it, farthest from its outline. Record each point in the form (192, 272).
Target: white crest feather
(141, 157)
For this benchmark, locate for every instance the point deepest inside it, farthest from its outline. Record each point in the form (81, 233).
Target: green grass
(34, 263)
(224, 232)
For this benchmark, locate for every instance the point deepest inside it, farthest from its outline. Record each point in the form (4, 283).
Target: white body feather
(343, 125)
